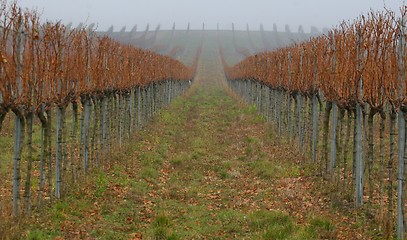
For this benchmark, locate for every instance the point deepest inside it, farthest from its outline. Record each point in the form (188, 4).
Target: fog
(119, 13)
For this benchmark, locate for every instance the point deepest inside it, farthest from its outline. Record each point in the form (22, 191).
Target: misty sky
(119, 13)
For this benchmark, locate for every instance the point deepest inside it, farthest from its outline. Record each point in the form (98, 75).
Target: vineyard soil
(207, 167)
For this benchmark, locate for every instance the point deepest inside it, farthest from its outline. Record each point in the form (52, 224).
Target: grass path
(205, 168)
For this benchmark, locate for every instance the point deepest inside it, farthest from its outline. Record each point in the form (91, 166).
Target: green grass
(101, 184)
(162, 228)
(232, 221)
(222, 170)
(6, 144)
(272, 225)
(149, 162)
(118, 175)
(180, 159)
(39, 234)
(274, 169)
(59, 211)
(279, 225)
(320, 227)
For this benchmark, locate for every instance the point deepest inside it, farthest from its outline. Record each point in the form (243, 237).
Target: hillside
(182, 44)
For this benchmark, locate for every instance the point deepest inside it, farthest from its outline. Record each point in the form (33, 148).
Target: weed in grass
(163, 150)
(149, 173)
(321, 228)
(263, 168)
(59, 211)
(34, 182)
(118, 176)
(122, 215)
(222, 169)
(108, 234)
(249, 151)
(259, 119)
(252, 148)
(199, 143)
(79, 207)
(267, 169)
(6, 144)
(38, 234)
(117, 156)
(138, 188)
(101, 184)
(242, 158)
(150, 162)
(272, 224)
(161, 228)
(167, 116)
(177, 161)
(251, 140)
(151, 159)
(251, 110)
(161, 221)
(198, 153)
(223, 174)
(233, 221)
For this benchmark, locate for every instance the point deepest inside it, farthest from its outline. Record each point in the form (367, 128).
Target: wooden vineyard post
(139, 108)
(281, 99)
(300, 122)
(74, 128)
(401, 127)
(170, 89)
(44, 151)
(95, 130)
(358, 127)
(130, 112)
(19, 121)
(87, 105)
(61, 112)
(347, 147)
(299, 109)
(328, 108)
(289, 117)
(271, 105)
(334, 111)
(315, 108)
(314, 128)
(58, 154)
(333, 149)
